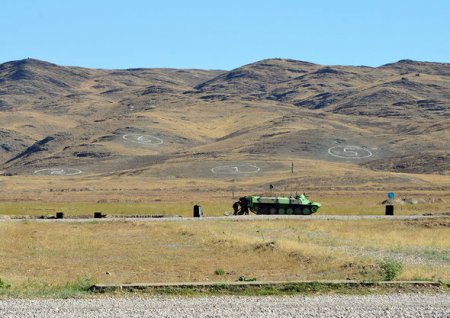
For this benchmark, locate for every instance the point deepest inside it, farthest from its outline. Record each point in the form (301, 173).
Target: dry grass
(339, 191)
(331, 205)
(88, 208)
(165, 251)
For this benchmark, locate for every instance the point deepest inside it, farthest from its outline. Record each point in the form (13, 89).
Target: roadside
(393, 305)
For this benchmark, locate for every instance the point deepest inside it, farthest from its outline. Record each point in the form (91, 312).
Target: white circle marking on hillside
(58, 172)
(350, 152)
(143, 139)
(237, 169)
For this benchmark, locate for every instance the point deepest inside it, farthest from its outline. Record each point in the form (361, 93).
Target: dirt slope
(148, 121)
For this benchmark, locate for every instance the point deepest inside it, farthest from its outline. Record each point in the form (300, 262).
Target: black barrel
(59, 215)
(198, 211)
(389, 210)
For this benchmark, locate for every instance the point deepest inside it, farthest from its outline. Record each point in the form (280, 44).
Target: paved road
(232, 306)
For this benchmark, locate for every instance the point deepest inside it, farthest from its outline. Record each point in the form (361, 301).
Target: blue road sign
(391, 195)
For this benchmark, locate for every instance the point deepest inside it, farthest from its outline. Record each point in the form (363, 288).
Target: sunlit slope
(393, 117)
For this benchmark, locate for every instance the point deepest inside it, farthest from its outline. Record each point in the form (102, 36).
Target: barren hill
(199, 123)
(404, 89)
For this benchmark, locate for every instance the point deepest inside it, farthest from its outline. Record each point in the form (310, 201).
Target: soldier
(236, 208)
(244, 206)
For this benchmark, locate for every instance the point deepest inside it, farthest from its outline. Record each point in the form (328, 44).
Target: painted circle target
(236, 169)
(58, 172)
(350, 152)
(143, 139)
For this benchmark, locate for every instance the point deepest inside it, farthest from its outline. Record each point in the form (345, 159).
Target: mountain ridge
(272, 109)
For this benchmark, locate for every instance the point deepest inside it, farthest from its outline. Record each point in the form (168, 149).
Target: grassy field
(66, 257)
(343, 189)
(333, 204)
(39, 255)
(88, 208)
(21, 209)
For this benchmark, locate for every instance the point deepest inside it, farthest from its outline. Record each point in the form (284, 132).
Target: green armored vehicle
(299, 205)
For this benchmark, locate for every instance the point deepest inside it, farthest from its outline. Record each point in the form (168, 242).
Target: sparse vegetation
(219, 272)
(4, 284)
(132, 252)
(390, 268)
(333, 202)
(74, 209)
(80, 287)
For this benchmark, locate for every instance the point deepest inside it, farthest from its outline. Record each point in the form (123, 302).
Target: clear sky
(226, 34)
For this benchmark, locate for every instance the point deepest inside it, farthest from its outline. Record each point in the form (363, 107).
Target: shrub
(219, 271)
(390, 268)
(3, 284)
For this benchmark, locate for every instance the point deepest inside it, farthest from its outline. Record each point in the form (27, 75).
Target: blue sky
(226, 34)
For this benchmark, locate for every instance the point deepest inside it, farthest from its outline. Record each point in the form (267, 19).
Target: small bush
(390, 269)
(3, 284)
(219, 271)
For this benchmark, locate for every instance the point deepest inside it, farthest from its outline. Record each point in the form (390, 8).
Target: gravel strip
(397, 305)
(231, 217)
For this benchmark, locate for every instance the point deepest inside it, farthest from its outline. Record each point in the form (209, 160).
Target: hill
(249, 123)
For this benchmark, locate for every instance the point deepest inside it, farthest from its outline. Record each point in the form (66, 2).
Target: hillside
(216, 125)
